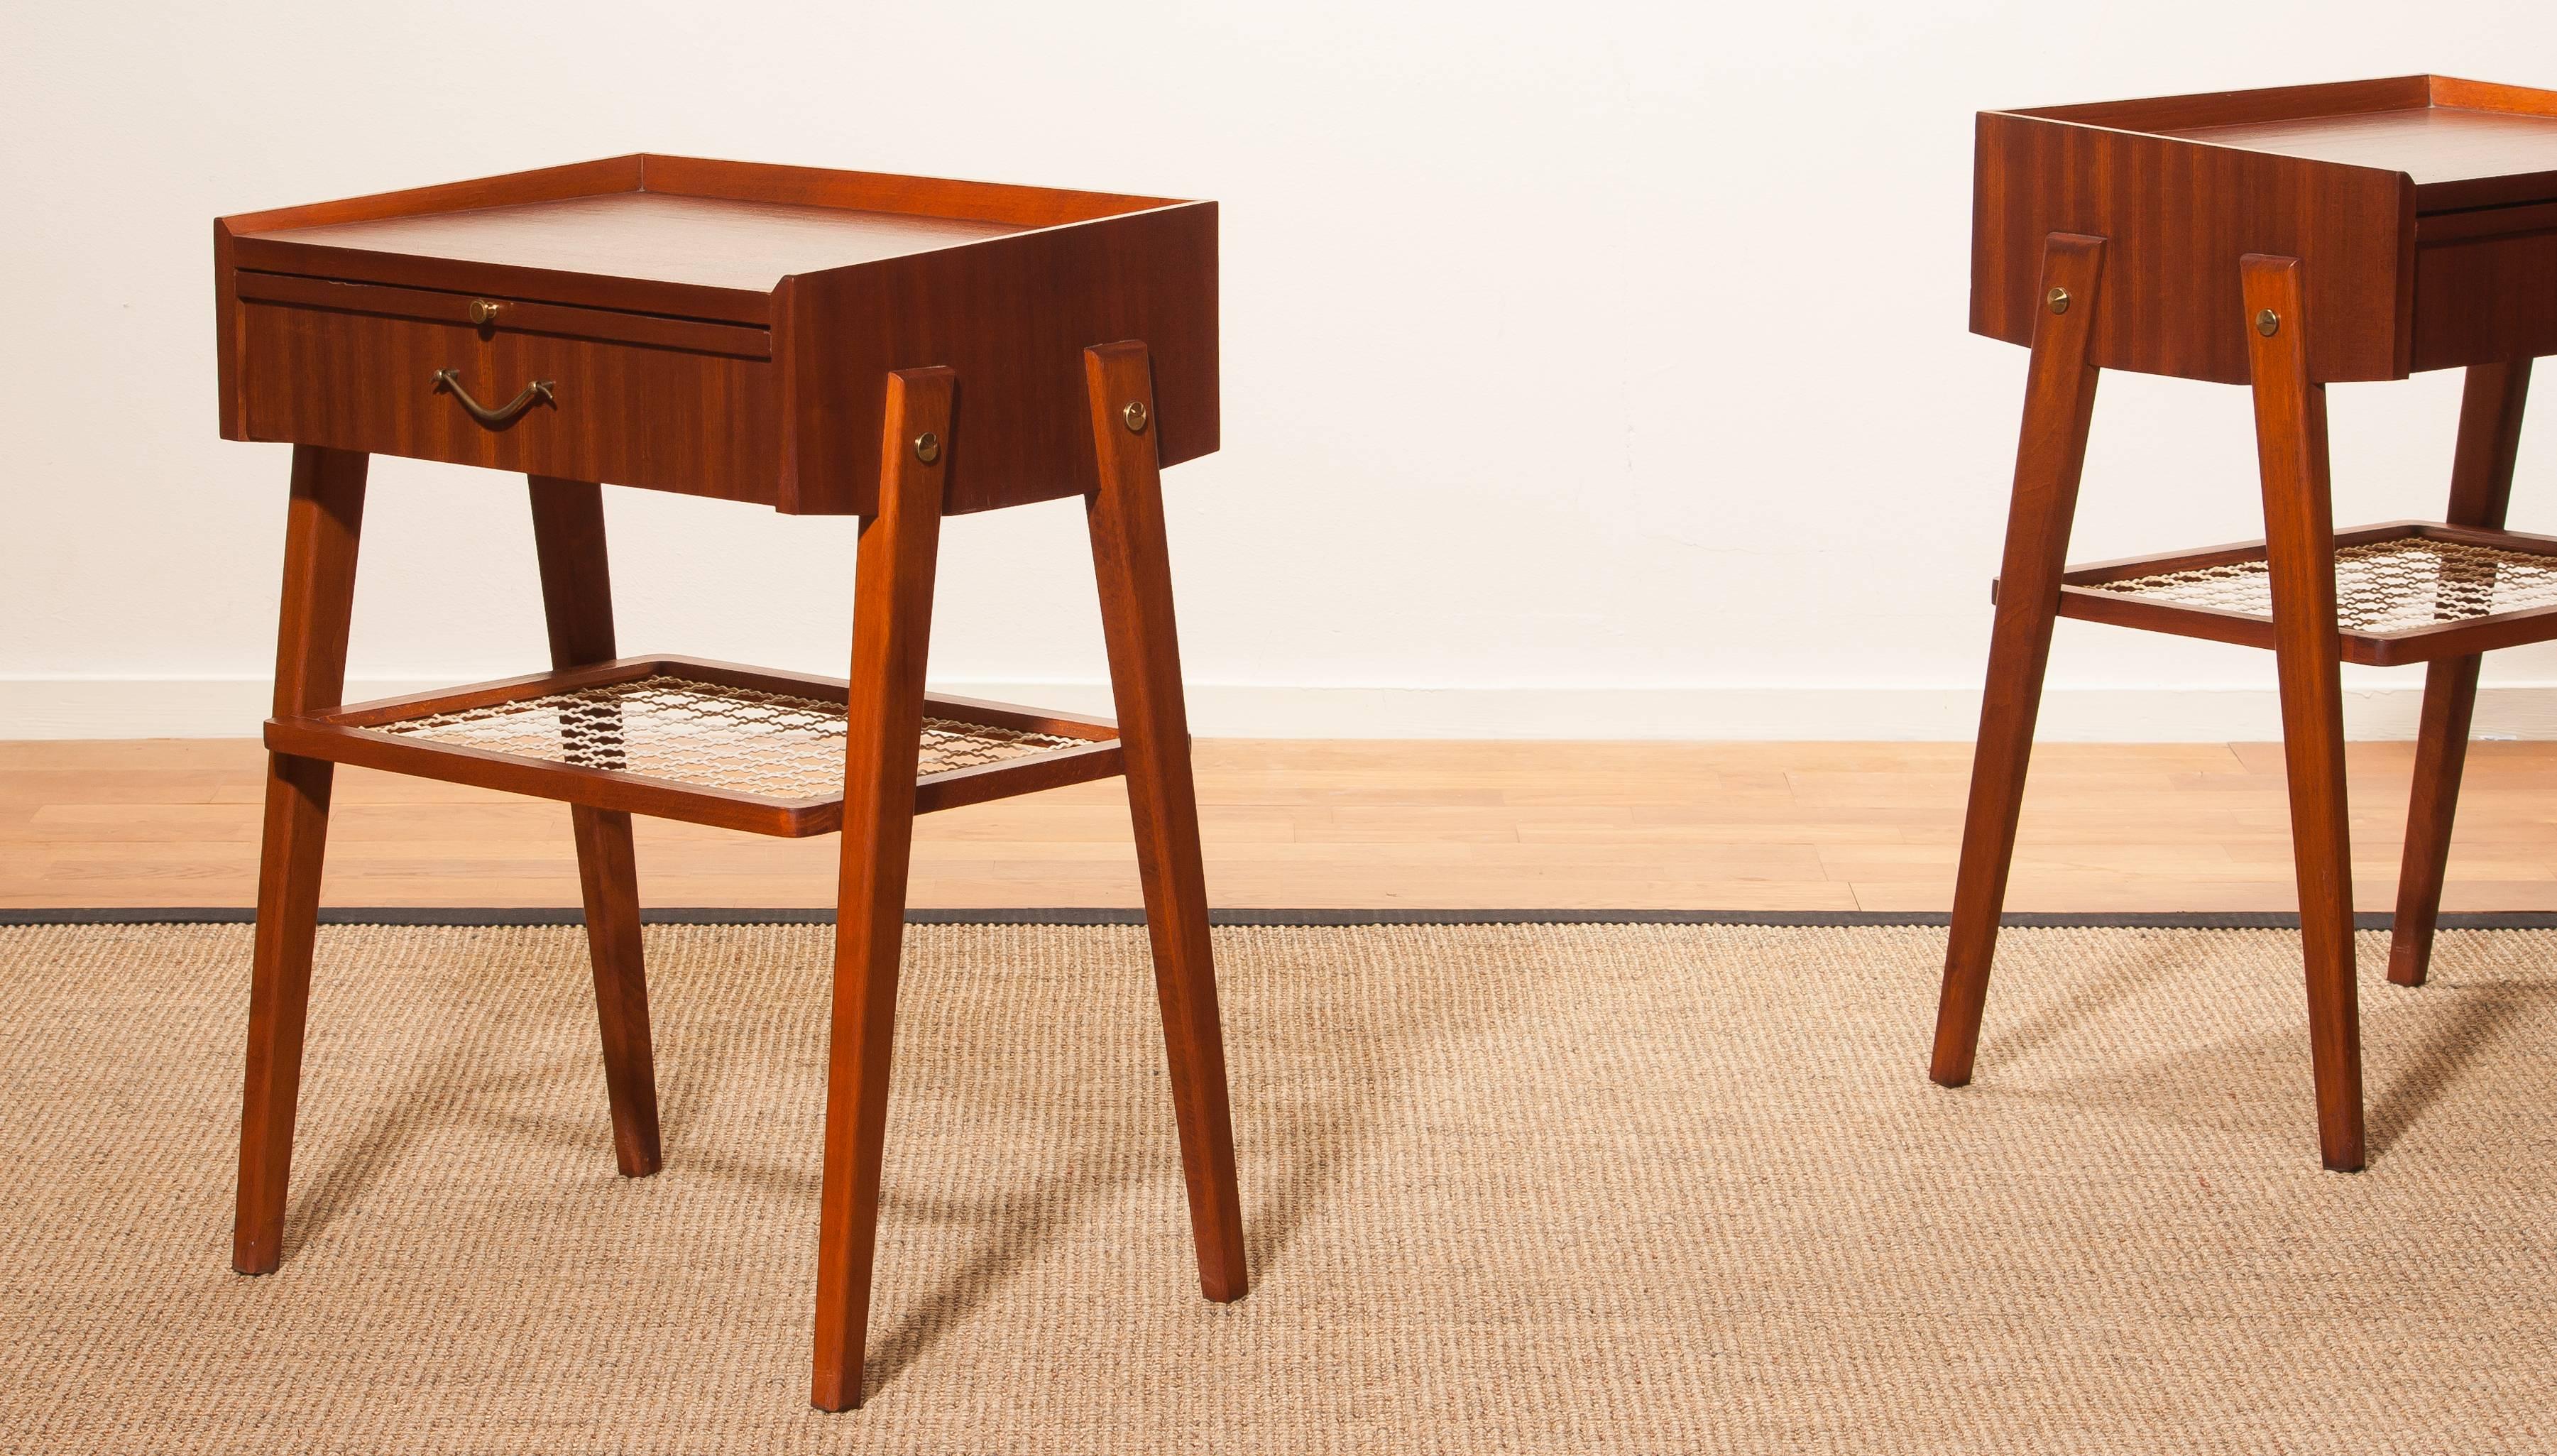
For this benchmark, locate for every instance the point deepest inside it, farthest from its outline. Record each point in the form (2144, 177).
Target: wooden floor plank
(1505, 825)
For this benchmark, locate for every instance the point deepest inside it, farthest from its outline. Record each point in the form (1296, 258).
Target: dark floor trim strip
(400, 915)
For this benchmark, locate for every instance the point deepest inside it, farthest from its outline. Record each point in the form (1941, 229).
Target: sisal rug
(1508, 1188)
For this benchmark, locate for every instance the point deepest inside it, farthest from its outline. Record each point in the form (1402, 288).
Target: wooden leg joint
(323, 524)
(891, 628)
(2299, 534)
(577, 604)
(2060, 403)
(2489, 441)
(1131, 559)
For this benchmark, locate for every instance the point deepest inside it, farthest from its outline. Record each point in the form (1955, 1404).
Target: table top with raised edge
(712, 242)
(2430, 144)
(2459, 144)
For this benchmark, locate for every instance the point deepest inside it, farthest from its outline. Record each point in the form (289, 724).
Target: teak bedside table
(820, 343)
(2284, 239)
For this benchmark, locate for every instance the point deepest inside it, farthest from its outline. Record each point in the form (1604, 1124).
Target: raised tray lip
(2369, 95)
(265, 235)
(628, 172)
(2209, 111)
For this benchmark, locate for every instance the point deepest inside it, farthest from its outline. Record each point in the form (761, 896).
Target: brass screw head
(2268, 322)
(2058, 300)
(483, 311)
(928, 447)
(1134, 415)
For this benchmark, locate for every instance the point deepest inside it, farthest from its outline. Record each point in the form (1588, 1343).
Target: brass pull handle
(450, 381)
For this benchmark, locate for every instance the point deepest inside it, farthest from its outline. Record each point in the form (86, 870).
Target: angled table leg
(1129, 556)
(576, 603)
(322, 527)
(2480, 489)
(2299, 534)
(891, 628)
(2059, 402)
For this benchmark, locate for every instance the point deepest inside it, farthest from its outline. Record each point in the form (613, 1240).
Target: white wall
(1590, 370)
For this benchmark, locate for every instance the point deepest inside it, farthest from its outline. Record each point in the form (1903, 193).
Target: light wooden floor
(1363, 824)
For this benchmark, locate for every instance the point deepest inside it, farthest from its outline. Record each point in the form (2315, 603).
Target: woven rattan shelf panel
(697, 741)
(708, 734)
(2404, 592)
(2387, 587)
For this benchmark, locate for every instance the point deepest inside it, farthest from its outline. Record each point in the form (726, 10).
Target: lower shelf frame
(1077, 750)
(2098, 592)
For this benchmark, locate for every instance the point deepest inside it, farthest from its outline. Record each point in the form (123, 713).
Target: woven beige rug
(1513, 1188)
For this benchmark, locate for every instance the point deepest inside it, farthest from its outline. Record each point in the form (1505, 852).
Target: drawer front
(624, 413)
(2485, 300)
(493, 312)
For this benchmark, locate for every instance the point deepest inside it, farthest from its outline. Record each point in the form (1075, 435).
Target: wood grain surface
(667, 419)
(2051, 454)
(2490, 414)
(2418, 207)
(1777, 827)
(2299, 521)
(713, 242)
(741, 314)
(324, 525)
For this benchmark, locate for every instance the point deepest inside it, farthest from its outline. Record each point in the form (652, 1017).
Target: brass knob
(1134, 415)
(928, 447)
(2058, 300)
(483, 311)
(2268, 322)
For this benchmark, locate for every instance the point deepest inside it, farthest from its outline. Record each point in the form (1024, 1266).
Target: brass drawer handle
(450, 381)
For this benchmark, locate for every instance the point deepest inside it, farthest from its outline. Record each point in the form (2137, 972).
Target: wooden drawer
(720, 327)
(636, 399)
(2485, 286)
(2422, 211)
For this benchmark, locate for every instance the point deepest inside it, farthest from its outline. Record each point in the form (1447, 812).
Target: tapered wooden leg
(2059, 402)
(577, 603)
(322, 527)
(607, 875)
(2299, 534)
(2480, 489)
(1129, 556)
(891, 628)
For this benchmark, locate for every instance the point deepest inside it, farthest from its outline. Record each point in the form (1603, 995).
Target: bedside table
(817, 342)
(2283, 239)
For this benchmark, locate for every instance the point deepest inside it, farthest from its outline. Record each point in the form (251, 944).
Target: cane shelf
(683, 738)
(2406, 592)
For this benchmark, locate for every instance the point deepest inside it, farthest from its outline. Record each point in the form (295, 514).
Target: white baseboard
(130, 708)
